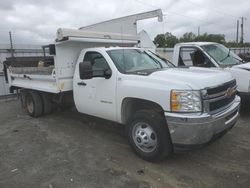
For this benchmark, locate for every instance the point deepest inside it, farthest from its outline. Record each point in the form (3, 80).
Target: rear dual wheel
(37, 104)
(33, 104)
(47, 103)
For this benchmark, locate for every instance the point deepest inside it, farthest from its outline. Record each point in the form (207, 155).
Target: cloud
(35, 22)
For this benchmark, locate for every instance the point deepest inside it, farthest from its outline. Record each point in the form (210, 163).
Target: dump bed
(56, 76)
(54, 73)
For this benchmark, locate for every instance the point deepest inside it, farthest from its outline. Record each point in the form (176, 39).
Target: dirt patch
(68, 149)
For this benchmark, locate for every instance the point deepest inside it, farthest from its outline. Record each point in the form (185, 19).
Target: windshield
(222, 55)
(136, 60)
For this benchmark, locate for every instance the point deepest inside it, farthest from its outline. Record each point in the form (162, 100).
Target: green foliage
(166, 40)
(160, 41)
(247, 44)
(188, 37)
(191, 37)
(233, 44)
(169, 40)
(219, 38)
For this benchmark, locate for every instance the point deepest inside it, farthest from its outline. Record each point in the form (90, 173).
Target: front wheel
(148, 135)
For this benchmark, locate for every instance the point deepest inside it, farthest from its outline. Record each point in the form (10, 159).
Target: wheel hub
(138, 140)
(30, 105)
(144, 137)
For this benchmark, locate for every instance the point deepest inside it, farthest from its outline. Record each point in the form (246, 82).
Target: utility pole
(198, 30)
(242, 31)
(237, 32)
(11, 46)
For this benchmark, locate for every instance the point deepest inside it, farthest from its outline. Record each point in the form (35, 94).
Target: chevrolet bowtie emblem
(230, 91)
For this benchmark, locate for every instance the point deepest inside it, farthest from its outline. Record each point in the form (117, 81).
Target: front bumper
(199, 129)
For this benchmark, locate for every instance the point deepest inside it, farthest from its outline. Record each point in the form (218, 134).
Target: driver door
(96, 96)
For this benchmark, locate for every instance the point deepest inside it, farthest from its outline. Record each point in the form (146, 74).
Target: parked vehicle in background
(214, 55)
(245, 56)
(163, 108)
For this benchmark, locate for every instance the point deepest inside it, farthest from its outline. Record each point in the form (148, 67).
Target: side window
(98, 62)
(185, 56)
(190, 56)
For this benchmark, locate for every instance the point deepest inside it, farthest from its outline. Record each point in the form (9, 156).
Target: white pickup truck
(214, 55)
(163, 108)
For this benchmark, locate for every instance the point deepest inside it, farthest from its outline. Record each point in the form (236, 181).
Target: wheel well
(132, 105)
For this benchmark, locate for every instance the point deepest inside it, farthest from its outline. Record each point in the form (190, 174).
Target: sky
(36, 21)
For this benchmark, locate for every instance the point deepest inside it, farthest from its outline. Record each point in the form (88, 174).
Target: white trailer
(112, 77)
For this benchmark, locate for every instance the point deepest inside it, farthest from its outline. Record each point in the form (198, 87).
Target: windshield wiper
(228, 54)
(163, 59)
(155, 60)
(241, 60)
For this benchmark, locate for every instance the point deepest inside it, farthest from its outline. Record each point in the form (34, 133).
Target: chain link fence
(18, 51)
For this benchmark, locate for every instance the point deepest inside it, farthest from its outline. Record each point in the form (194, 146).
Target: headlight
(185, 101)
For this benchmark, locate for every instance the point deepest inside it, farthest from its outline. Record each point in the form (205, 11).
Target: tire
(47, 103)
(149, 136)
(33, 104)
(22, 97)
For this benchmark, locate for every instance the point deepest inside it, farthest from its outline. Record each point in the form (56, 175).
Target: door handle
(81, 84)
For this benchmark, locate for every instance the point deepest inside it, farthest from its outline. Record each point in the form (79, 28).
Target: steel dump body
(58, 76)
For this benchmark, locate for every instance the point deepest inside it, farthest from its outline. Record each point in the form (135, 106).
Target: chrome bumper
(198, 129)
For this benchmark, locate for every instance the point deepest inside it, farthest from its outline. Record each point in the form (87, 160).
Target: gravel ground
(68, 149)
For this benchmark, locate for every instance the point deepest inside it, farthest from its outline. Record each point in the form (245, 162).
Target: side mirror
(107, 73)
(85, 70)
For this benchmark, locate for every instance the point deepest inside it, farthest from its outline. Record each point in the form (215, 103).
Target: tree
(171, 40)
(232, 44)
(219, 38)
(247, 44)
(188, 37)
(165, 40)
(160, 41)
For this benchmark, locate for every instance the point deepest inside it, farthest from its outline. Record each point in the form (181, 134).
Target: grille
(217, 96)
(221, 103)
(221, 88)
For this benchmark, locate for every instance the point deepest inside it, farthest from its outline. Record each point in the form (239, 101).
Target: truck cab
(214, 55)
